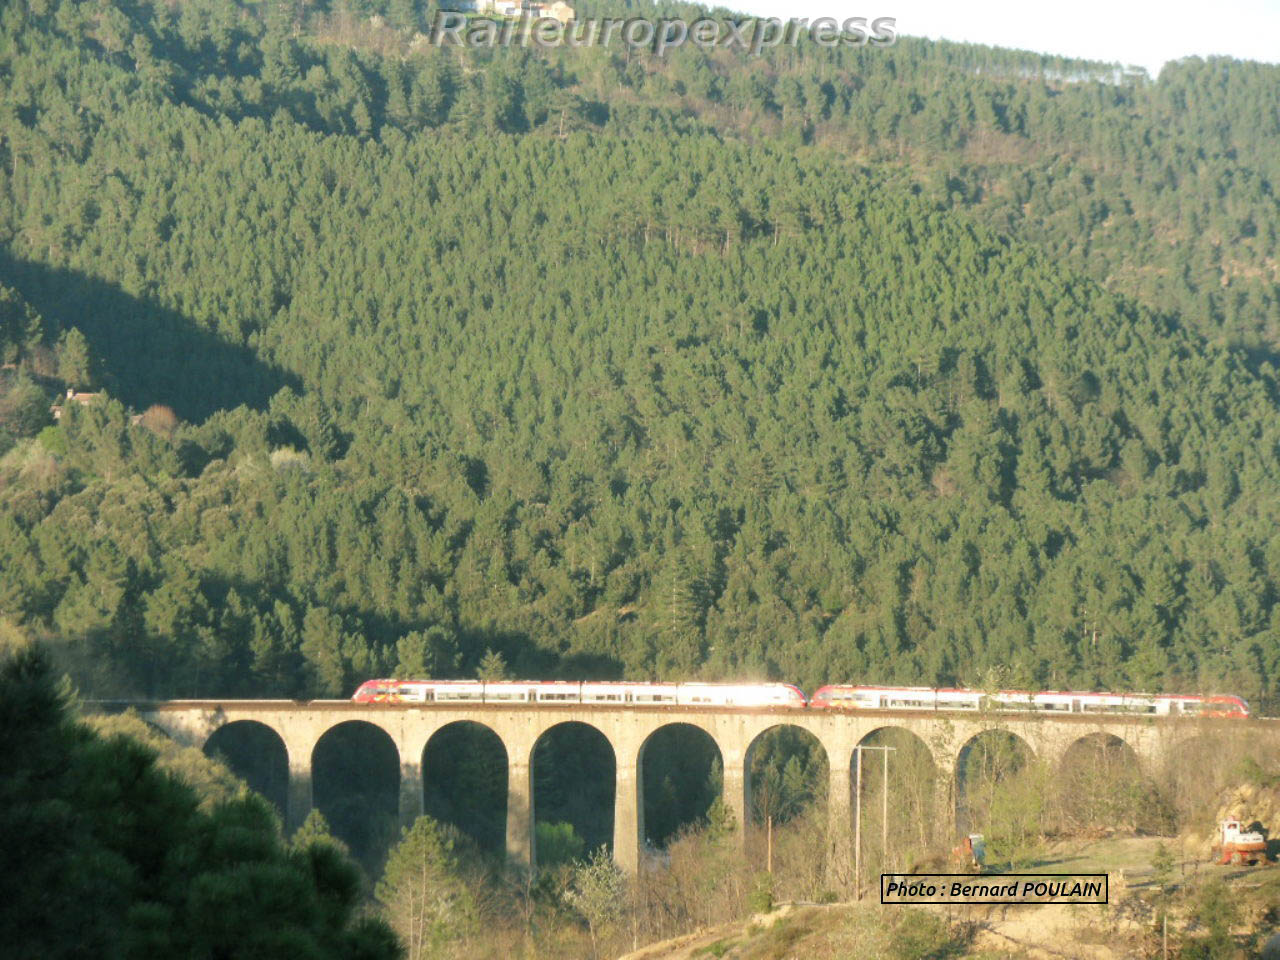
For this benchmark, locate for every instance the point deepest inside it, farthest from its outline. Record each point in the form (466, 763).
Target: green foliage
(917, 935)
(1254, 773)
(682, 780)
(212, 781)
(557, 843)
(24, 407)
(1014, 831)
(719, 403)
(788, 773)
(492, 666)
(22, 330)
(465, 774)
(760, 900)
(74, 364)
(428, 904)
(430, 653)
(107, 853)
(1216, 911)
(721, 823)
(315, 830)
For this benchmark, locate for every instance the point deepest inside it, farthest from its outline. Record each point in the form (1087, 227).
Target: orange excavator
(1238, 844)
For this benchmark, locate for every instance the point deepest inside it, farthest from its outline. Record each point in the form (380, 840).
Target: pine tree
(430, 653)
(321, 648)
(74, 364)
(492, 666)
(427, 903)
(315, 830)
(403, 15)
(108, 838)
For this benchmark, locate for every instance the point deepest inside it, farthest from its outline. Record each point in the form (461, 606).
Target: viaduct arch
(301, 724)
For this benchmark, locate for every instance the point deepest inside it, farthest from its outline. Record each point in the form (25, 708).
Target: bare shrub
(1207, 758)
(160, 419)
(1100, 788)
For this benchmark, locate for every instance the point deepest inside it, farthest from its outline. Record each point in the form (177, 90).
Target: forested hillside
(929, 364)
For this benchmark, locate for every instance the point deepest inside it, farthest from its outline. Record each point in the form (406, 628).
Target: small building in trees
(559, 10)
(73, 396)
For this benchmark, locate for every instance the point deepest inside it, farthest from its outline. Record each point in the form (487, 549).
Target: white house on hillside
(557, 10)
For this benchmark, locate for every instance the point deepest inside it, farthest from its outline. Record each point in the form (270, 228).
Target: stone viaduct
(300, 725)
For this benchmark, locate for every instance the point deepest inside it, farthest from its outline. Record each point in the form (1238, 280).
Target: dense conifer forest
(922, 364)
(111, 855)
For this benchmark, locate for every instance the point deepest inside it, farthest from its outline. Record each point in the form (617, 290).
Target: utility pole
(769, 834)
(884, 814)
(857, 815)
(857, 824)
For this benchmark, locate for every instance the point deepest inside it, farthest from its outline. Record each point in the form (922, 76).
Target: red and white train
(566, 691)
(1050, 702)
(831, 697)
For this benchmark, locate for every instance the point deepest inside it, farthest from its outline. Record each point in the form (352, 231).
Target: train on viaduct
(629, 726)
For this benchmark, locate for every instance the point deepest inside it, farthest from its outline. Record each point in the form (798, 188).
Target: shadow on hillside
(146, 353)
